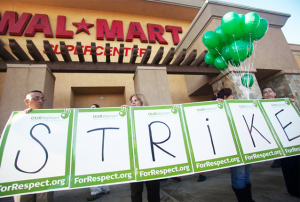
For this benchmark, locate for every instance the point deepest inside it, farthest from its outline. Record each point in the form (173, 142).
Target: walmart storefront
(80, 53)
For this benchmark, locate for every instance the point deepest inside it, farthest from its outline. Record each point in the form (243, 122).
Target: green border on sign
(101, 178)
(212, 164)
(257, 156)
(5, 134)
(50, 183)
(164, 171)
(285, 150)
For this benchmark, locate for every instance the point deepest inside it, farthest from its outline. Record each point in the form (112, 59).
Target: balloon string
(229, 74)
(233, 71)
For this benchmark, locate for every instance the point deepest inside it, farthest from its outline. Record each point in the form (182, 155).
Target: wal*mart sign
(41, 23)
(73, 148)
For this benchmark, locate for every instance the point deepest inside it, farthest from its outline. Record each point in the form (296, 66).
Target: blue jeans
(240, 176)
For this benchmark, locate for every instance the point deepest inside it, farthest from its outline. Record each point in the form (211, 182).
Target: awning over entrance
(190, 65)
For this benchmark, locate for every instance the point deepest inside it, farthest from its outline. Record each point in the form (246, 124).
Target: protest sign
(35, 152)
(102, 147)
(49, 150)
(211, 138)
(284, 120)
(256, 141)
(161, 148)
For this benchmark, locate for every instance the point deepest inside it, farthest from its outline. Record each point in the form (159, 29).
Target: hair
(140, 97)
(33, 91)
(262, 90)
(97, 106)
(222, 93)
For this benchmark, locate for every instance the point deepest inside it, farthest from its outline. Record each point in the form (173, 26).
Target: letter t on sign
(102, 137)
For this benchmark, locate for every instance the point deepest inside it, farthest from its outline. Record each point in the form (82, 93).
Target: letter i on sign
(211, 139)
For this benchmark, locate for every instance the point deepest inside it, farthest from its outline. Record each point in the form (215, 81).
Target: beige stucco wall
(2, 78)
(65, 81)
(297, 58)
(110, 100)
(273, 52)
(153, 83)
(296, 52)
(20, 79)
(179, 91)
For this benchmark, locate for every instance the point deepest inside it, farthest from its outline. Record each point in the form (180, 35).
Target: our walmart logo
(65, 114)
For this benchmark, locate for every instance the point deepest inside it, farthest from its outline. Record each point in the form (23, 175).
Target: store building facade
(138, 46)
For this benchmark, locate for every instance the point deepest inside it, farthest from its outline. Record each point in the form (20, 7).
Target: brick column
(19, 80)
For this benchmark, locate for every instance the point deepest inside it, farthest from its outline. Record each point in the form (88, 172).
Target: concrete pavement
(267, 186)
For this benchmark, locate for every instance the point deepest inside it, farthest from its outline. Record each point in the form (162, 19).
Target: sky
(291, 29)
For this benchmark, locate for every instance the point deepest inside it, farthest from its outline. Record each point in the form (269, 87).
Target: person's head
(138, 100)
(95, 106)
(268, 93)
(225, 94)
(35, 99)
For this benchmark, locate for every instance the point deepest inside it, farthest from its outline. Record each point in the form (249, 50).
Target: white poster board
(211, 138)
(160, 143)
(35, 152)
(284, 119)
(256, 141)
(49, 150)
(102, 147)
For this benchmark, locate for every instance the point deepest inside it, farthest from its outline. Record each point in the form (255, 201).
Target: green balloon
(216, 51)
(230, 22)
(210, 39)
(251, 22)
(238, 50)
(220, 63)
(209, 58)
(223, 37)
(247, 80)
(250, 48)
(261, 29)
(231, 40)
(239, 33)
(242, 17)
(225, 53)
(234, 63)
(247, 38)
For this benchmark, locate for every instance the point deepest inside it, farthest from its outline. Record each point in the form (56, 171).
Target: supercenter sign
(40, 23)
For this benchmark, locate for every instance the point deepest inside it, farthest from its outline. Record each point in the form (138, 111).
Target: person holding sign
(152, 186)
(269, 93)
(290, 166)
(35, 100)
(96, 191)
(240, 175)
